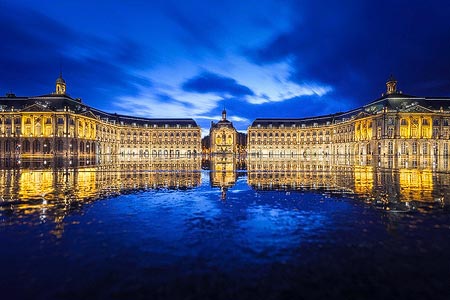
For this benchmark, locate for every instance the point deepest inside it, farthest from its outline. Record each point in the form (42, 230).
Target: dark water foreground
(313, 232)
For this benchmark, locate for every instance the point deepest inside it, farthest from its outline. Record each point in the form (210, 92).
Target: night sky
(262, 58)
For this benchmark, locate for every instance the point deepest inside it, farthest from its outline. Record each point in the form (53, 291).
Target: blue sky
(262, 58)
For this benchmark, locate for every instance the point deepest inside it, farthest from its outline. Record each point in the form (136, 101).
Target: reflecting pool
(259, 228)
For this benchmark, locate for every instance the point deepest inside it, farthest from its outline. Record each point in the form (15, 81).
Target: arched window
(26, 146)
(36, 146)
(59, 145)
(47, 146)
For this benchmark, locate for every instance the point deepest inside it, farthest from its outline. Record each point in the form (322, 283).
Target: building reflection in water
(389, 182)
(55, 188)
(223, 172)
(52, 189)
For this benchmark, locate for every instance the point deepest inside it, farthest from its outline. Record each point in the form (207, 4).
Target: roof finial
(60, 82)
(224, 114)
(391, 85)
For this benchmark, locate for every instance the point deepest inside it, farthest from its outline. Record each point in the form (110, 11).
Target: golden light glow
(53, 192)
(402, 180)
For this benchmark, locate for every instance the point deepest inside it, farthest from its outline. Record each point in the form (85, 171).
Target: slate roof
(222, 123)
(55, 102)
(398, 101)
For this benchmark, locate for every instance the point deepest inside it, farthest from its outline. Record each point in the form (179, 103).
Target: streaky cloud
(207, 82)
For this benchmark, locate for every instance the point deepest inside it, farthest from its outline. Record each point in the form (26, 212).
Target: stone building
(395, 124)
(223, 136)
(59, 125)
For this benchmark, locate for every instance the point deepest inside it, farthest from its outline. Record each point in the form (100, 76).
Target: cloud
(271, 82)
(230, 118)
(94, 67)
(257, 58)
(355, 45)
(212, 83)
(166, 106)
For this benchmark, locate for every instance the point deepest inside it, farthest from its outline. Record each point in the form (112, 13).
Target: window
(404, 148)
(425, 148)
(435, 132)
(390, 132)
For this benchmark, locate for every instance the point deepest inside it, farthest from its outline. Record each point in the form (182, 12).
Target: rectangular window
(414, 148)
(425, 149)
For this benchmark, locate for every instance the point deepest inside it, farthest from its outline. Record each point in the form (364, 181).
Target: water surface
(296, 230)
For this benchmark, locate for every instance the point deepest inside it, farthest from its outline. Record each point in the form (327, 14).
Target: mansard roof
(392, 102)
(401, 101)
(36, 107)
(222, 123)
(55, 102)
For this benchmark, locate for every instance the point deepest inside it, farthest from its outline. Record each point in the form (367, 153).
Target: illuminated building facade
(55, 190)
(59, 125)
(223, 172)
(223, 136)
(395, 124)
(421, 179)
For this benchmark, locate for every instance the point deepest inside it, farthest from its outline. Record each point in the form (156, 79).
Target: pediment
(88, 114)
(362, 114)
(36, 107)
(416, 109)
